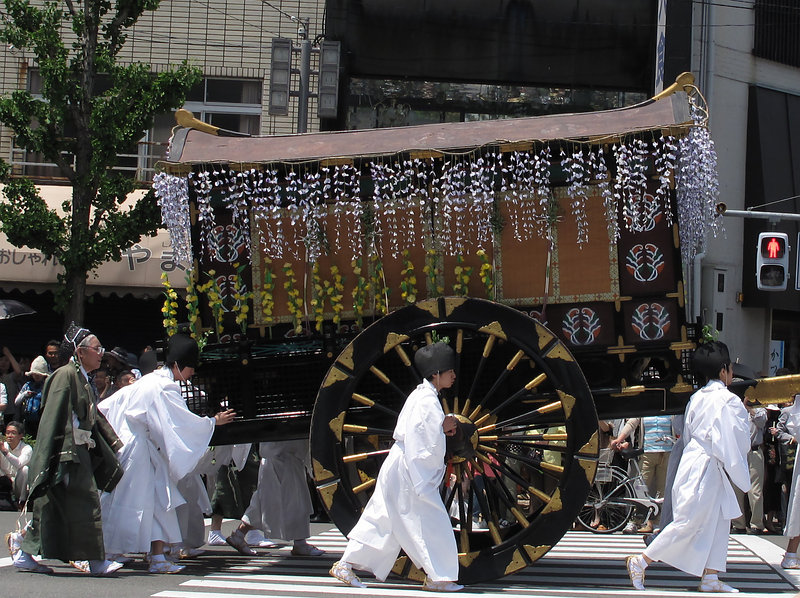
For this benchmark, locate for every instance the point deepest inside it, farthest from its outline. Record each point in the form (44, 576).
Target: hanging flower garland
(360, 292)
(408, 286)
(173, 199)
(336, 294)
(666, 156)
(295, 301)
(170, 308)
(486, 273)
(599, 172)
(267, 295)
(193, 305)
(462, 275)
(378, 284)
(318, 294)
(241, 297)
(575, 168)
(214, 295)
(697, 187)
(431, 271)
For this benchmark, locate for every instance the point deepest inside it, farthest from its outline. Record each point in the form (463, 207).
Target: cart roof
(192, 146)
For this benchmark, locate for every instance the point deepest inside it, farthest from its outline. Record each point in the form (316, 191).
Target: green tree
(92, 108)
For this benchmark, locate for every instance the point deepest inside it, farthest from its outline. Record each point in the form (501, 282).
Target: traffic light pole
(305, 79)
(773, 217)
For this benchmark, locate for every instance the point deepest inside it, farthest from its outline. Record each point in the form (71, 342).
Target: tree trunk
(76, 308)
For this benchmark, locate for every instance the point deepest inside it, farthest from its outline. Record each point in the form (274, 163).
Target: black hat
(183, 350)
(75, 335)
(438, 357)
(122, 356)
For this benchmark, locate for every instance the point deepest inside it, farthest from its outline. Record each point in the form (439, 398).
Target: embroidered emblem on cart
(644, 262)
(227, 243)
(650, 321)
(581, 325)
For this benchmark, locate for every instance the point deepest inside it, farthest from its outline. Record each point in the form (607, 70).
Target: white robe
(793, 508)
(717, 438)
(406, 511)
(281, 505)
(163, 443)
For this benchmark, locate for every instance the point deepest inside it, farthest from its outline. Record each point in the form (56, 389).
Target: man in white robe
(406, 510)
(163, 443)
(717, 439)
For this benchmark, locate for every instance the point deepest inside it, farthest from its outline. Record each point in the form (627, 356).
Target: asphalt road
(581, 565)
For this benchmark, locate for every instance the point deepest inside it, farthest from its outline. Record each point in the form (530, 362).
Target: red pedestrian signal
(772, 261)
(773, 247)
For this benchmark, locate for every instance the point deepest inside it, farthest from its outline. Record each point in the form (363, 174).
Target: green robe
(64, 477)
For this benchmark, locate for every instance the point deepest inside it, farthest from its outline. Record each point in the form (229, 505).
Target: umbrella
(11, 309)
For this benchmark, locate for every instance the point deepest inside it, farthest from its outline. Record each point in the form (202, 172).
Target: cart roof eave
(191, 146)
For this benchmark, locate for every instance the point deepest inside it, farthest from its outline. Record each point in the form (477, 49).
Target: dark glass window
(777, 31)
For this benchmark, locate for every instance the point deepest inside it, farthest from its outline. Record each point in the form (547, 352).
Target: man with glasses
(63, 493)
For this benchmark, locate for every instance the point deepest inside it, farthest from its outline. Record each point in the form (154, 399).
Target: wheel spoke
(524, 418)
(364, 430)
(487, 351)
(355, 458)
(386, 380)
(517, 396)
(554, 471)
(501, 468)
(361, 399)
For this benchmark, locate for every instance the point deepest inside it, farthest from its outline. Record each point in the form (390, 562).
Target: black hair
(18, 425)
(709, 359)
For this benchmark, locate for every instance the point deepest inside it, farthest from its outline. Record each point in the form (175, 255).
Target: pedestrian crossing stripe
(582, 564)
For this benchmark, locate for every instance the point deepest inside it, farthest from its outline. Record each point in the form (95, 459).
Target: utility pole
(305, 78)
(280, 76)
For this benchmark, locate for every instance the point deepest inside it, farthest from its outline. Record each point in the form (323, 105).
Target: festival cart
(548, 251)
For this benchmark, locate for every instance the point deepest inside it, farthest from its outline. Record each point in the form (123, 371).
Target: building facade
(747, 58)
(416, 62)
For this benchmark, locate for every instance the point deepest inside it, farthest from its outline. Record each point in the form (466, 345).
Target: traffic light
(772, 261)
(280, 74)
(328, 79)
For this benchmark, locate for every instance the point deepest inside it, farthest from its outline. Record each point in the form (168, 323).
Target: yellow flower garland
(295, 301)
(463, 274)
(193, 305)
(432, 272)
(318, 293)
(360, 292)
(170, 308)
(335, 294)
(408, 286)
(486, 273)
(267, 295)
(241, 296)
(214, 294)
(378, 282)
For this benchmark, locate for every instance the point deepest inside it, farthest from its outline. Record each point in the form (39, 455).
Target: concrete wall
(229, 38)
(730, 68)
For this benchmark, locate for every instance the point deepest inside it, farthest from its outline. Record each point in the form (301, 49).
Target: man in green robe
(74, 457)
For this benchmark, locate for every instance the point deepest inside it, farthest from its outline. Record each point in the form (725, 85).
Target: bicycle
(616, 495)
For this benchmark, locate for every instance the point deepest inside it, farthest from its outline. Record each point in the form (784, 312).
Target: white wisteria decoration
(173, 199)
(305, 211)
(576, 169)
(697, 187)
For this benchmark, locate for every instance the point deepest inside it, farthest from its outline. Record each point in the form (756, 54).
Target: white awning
(138, 272)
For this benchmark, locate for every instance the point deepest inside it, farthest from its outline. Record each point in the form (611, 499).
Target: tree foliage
(92, 108)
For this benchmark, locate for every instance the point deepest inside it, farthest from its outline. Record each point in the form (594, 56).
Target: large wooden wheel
(529, 465)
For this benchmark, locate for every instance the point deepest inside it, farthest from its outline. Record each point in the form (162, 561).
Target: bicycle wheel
(608, 507)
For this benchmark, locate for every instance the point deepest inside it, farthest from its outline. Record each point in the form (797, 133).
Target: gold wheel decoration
(530, 454)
